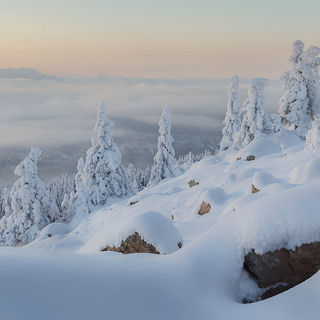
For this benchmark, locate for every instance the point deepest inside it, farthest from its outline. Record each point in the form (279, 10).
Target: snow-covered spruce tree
(58, 188)
(132, 174)
(146, 176)
(78, 203)
(68, 185)
(138, 183)
(300, 102)
(276, 123)
(164, 159)
(313, 135)
(255, 121)
(32, 207)
(104, 175)
(6, 209)
(65, 206)
(232, 120)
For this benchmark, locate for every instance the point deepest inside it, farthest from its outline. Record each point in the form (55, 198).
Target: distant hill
(26, 73)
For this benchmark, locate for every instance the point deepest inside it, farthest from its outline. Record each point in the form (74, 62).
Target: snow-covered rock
(151, 226)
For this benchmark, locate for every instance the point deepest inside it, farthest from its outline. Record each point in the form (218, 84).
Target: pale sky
(155, 38)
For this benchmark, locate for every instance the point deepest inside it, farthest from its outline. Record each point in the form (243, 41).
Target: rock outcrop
(254, 189)
(192, 183)
(205, 208)
(283, 269)
(250, 158)
(133, 244)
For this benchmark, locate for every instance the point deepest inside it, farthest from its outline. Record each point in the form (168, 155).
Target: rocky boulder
(283, 269)
(250, 158)
(133, 244)
(254, 189)
(192, 183)
(205, 208)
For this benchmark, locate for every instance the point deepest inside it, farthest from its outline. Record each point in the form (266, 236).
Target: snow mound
(262, 179)
(281, 220)
(215, 197)
(306, 172)
(268, 145)
(54, 229)
(152, 226)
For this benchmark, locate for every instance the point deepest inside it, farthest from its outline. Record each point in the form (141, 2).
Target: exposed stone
(254, 189)
(205, 208)
(250, 158)
(133, 244)
(283, 269)
(192, 183)
(238, 159)
(133, 202)
(20, 244)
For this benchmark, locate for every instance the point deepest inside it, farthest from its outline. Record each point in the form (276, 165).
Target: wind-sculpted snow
(202, 280)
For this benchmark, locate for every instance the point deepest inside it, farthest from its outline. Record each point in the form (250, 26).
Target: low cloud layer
(63, 111)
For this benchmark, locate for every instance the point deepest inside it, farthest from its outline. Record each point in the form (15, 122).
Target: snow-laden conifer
(133, 175)
(164, 159)
(313, 136)
(140, 179)
(131, 172)
(276, 122)
(255, 121)
(104, 175)
(300, 101)
(146, 176)
(32, 207)
(232, 120)
(65, 206)
(6, 206)
(78, 203)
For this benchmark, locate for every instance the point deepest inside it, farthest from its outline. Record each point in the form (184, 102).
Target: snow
(54, 229)
(65, 276)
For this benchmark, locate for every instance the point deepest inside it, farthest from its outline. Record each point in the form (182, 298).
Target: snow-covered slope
(202, 280)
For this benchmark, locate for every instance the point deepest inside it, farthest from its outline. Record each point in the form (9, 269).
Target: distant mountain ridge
(26, 73)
